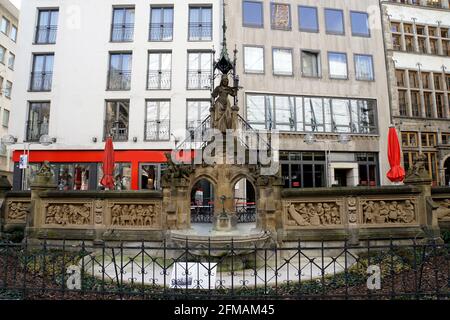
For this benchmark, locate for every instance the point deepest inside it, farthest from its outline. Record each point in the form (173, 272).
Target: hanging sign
(23, 161)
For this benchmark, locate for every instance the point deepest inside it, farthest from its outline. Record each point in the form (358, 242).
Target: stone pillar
(419, 177)
(43, 182)
(5, 186)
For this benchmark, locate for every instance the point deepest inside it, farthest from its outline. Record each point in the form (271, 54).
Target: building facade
(417, 34)
(9, 16)
(140, 72)
(136, 70)
(315, 71)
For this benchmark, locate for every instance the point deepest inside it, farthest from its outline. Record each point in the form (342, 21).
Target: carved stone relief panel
(313, 214)
(443, 212)
(136, 215)
(68, 213)
(17, 210)
(376, 211)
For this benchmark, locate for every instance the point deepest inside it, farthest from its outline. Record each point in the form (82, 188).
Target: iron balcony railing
(200, 31)
(119, 80)
(157, 130)
(46, 34)
(41, 81)
(122, 32)
(159, 80)
(161, 32)
(116, 130)
(35, 130)
(199, 79)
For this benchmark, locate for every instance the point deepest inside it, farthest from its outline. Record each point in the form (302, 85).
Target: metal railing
(116, 131)
(122, 32)
(261, 270)
(159, 80)
(199, 79)
(119, 80)
(46, 34)
(157, 130)
(200, 31)
(41, 81)
(161, 32)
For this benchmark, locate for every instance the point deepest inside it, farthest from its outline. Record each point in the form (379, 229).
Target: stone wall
(441, 198)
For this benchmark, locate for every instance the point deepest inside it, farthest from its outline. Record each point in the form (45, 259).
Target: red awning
(397, 173)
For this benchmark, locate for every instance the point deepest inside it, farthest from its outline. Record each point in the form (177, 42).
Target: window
(199, 70)
(200, 23)
(2, 54)
(157, 125)
(428, 104)
(402, 103)
(42, 74)
(159, 70)
(1, 85)
(400, 76)
(122, 29)
(4, 26)
(308, 19)
(414, 79)
(280, 16)
(47, 26)
(440, 105)
(337, 65)
(360, 24)
(364, 67)
(161, 24)
(426, 80)
(437, 81)
(409, 139)
(253, 59)
(312, 114)
(416, 104)
(8, 89)
(303, 169)
(446, 138)
(310, 64)
(38, 120)
(334, 21)
(5, 119)
(197, 112)
(122, 176)
(11, 60)
(13, 33)
(368, 169)
(252, 14)
(282, 62)
(119, 77)
(429, 140)
(117, 120)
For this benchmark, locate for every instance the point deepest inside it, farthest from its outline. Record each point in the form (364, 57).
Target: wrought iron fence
(261, 270)
(159, 79)
(119, 80)
(199, 79)
(200, 31)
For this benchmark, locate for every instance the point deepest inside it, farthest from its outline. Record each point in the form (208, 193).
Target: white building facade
(9, 16)
(136, 70)
(417, 34)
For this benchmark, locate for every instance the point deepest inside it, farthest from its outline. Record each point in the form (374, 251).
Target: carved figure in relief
(298, 219)
(388, 212)
(444, 209)
(310, 214)
(18, 210)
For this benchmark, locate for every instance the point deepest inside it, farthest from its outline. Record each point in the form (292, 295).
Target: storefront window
(368, 168)
(122, 176)
(150, 176)
(303, 169)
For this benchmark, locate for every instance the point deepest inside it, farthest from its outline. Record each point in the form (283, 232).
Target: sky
(16, 3)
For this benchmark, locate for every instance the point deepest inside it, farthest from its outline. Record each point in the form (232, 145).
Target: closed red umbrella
(108, 165)
(397, 173)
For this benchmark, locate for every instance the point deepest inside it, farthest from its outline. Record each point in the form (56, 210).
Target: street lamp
(44, 140)
(343, 139)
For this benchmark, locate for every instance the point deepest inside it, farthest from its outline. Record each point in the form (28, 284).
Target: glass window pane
(253, 13)
(256, 109)
(360, 23)
(334, 21)
(364, 67)
(338, 65)
(254, 59)
(282, 61)
(313, 114)
(280, 16)
(341, 115)
(299, 114)
(308, 18)
(310, 64)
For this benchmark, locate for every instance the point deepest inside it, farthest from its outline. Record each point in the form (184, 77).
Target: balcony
(122, 32)
(117, 130)
(199, 80)
(41, 81)
(46, 34)
(35, 130)
(159, 80)
(119, 80)
(161, 32)
(157, 130)
(200, 31)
